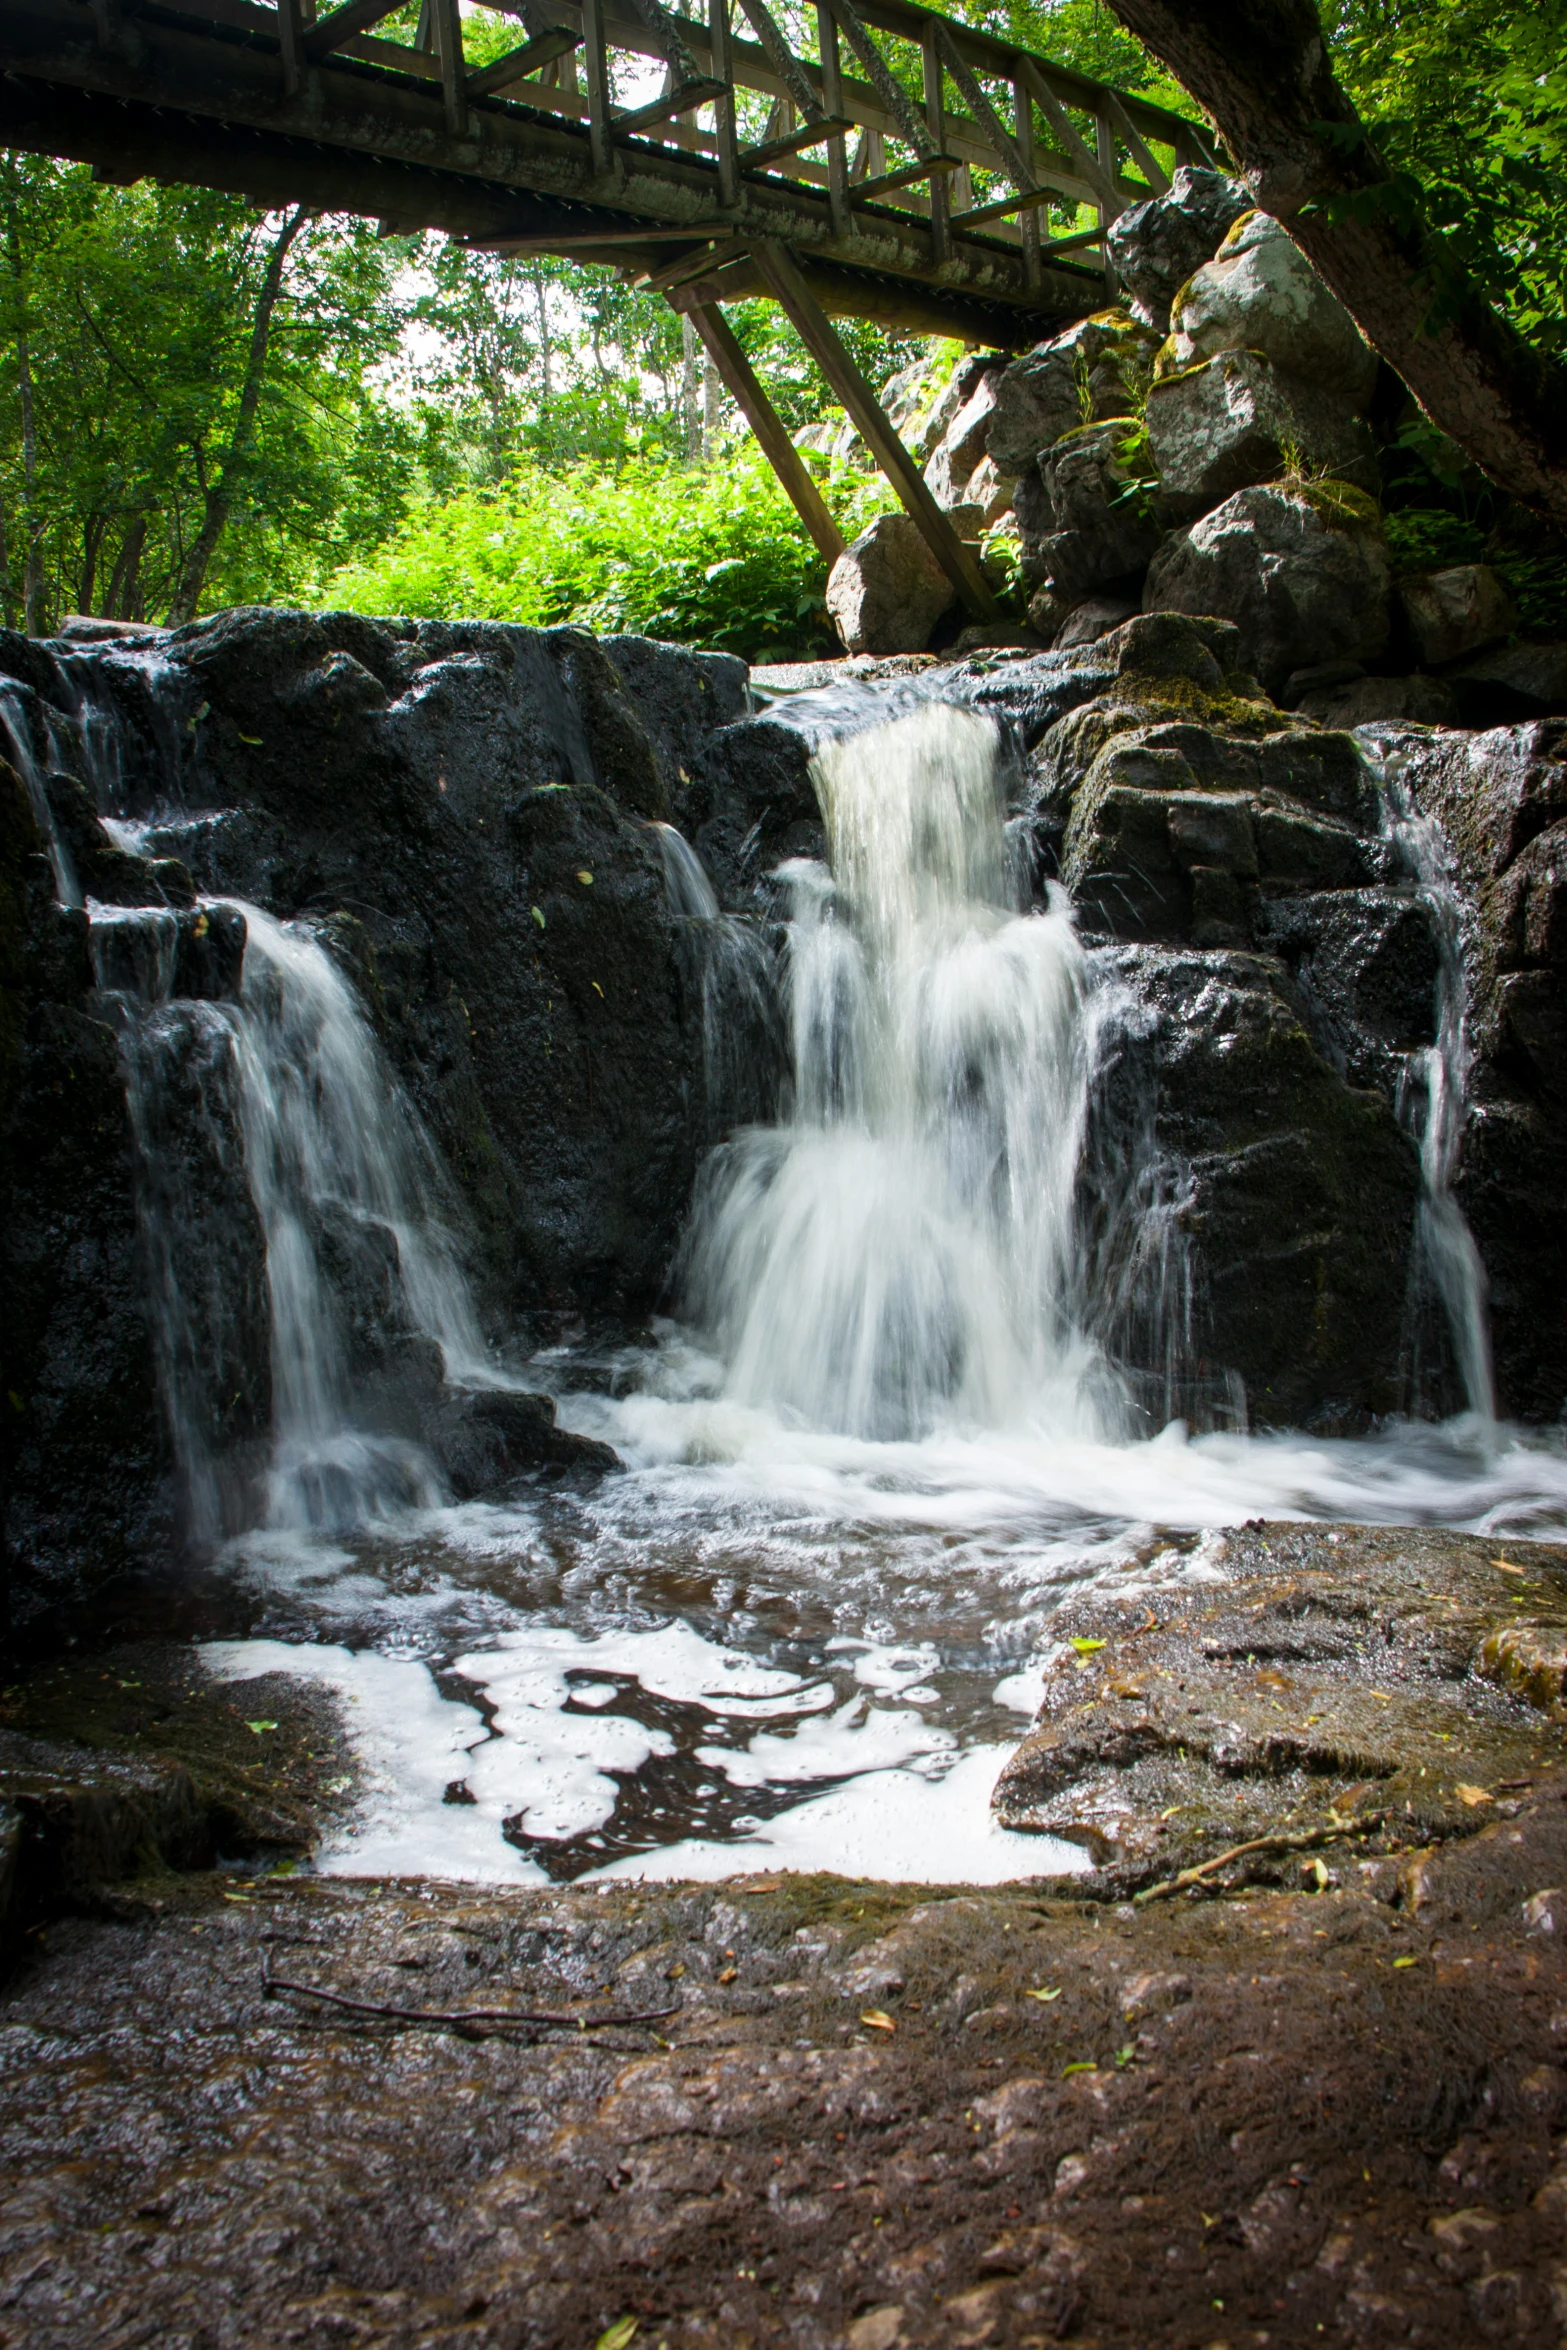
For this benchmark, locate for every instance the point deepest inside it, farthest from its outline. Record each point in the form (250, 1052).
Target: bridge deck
(877, 160)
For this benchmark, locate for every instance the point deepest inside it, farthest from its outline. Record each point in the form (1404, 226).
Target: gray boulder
(1381, 701)
(1087, 520)
(1514, 683)
(1083, 376)
(1155, 247)
(887, 592)
(1301, 568)
(962, 443)
(1454, 612)
(1260, 293)
(1238, 419)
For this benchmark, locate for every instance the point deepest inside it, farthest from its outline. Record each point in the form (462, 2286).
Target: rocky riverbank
(1313, 2089)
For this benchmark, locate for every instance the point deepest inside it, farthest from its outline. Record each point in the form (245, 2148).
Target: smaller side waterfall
(741, 1044)
(293, 1208)
(16, 728)
(1434, 1104)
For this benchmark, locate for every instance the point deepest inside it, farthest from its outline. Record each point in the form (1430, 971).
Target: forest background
(203, 405)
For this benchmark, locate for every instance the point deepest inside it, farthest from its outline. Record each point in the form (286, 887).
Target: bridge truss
(846, 158)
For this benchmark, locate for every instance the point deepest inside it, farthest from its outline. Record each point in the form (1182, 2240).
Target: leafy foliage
(704, 557)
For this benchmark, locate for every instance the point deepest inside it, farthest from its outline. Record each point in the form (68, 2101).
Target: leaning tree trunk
(218, 493)
(1260, 70)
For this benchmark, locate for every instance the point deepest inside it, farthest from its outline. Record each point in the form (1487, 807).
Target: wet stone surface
(1332, 2105)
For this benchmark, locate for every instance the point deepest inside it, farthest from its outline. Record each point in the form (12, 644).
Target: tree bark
(218, 492)
(32, 528)
(1260, 71)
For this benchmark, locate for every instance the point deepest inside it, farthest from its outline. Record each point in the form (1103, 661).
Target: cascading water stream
(901, 1254)
(1434, 1103)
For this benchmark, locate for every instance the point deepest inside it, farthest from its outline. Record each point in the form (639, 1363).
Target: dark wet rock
(1346, 1691)
(1301, 568)
(1092, 619)
(1380, 701)
(1236, 419)
(1366, 964)
(487, 1438)
(1094, 370)
(1501, 800)
(1155, 247)
(1293, 1192)
(83, 1453)
(751, 805)
(1517, 682)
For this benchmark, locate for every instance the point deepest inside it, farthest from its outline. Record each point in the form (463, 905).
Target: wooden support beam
(355, 16)
(1023, 121)
(816, 331)
(832, 99)
(487, 80)
(887, 87)
(793, 142)
(1067, 132)
(1104, 143)
(933, 168)
(446, 24)
(682, 101)
(691, 265)
(595, 60)
(291, 45)
(725, 139)
(1158, 179)
(1003, 208)
(771, 432)
(1007, 151)
(936, 129)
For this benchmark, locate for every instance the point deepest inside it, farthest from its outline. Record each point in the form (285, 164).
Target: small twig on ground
(464, 2019)
(1291, 1840)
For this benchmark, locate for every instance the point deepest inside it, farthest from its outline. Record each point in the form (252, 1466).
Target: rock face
(887, 591)
(1501, 798)
(1093, 371)
(1227, 422)
(1301, 568)
(463, 816)
(1450, 613)
(1085, 523)
(1260, 293)
(1155, 247)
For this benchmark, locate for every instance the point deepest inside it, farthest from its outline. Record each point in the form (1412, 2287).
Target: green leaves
(619, 2335)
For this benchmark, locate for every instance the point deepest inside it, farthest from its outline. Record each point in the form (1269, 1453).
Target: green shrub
(715, 557)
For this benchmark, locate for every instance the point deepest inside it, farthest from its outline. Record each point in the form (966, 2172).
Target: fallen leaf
(598, 991)
(1044, 1997)
(586, 880)
(878, 2019)
(254, 740)
(765, 1885)
(538, 917)
(1124, 2055)
(1508, 1568)
(1085, 2066)
(1381, 1695)
(616, 2337)
(242, 1898)
(1406, 1962)
(258, 1727)
(1473, 1796)
(728, 1974)
(1086, 1647)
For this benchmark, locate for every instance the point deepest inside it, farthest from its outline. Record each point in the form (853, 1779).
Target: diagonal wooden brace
(815, 329)
(771, 432)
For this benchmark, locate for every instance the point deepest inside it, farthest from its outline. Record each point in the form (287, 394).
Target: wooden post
(595, 60)
(1104, 156)
(936, 124)
(832, 101)
(291, 45)
(446, 18)
(724, 107)
(815, 329)
(771, 432)
(1028, 220)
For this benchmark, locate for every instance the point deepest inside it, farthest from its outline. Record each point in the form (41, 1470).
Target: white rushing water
(803, 1627)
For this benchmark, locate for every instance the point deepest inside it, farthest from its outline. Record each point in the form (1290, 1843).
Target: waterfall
(15, 718)
(1434, 1102)
(285, 1098)
(735, 979)
(902, 1253)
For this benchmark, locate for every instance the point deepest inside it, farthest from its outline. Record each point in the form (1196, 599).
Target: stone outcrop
(1227, 422)
(464, 816)
(1260, 293)
(1155, 247)
(887, 591)
(1095, 370)
(1301, 568)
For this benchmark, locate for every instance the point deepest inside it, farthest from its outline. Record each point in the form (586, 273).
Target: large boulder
(887, 591)
(1086, 518)
(1093, 371)
(1155, 247)
(1301, 568)
(1515, 682)
(1260, 293)
(963, 443)
(1234, 420)
(1453, 612)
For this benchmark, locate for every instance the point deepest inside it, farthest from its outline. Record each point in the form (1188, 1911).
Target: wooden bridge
(860, 158)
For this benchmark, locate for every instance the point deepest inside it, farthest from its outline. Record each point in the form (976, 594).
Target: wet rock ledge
(879, 2117)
